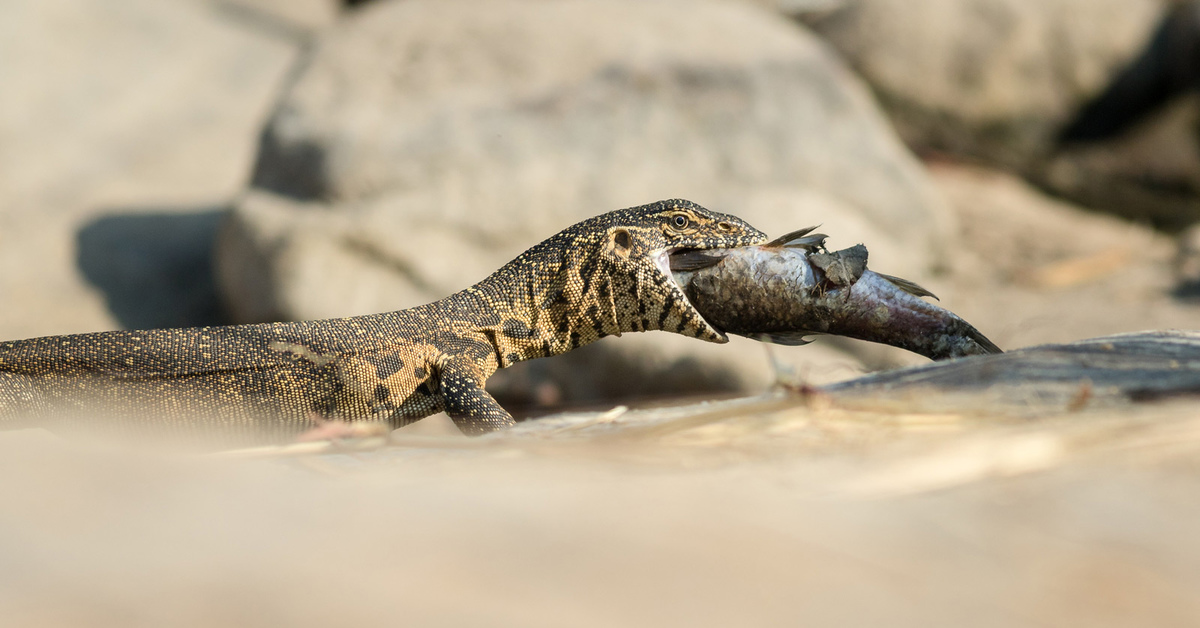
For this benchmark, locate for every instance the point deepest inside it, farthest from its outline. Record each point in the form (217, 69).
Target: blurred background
(232, 161)
(229, 161)
(198, 162)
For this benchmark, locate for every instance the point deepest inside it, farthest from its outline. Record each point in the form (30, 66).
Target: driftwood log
(1119, 369)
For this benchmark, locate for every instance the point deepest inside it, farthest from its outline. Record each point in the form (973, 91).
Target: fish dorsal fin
(909, 286)
(801, 238)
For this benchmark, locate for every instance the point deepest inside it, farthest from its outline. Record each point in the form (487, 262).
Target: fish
(792, 288)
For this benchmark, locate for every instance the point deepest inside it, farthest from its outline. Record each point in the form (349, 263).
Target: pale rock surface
(112, 112)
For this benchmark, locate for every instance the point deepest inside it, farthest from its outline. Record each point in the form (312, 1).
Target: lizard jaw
(662, 260)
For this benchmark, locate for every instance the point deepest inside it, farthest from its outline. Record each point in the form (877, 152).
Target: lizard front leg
(473, 410)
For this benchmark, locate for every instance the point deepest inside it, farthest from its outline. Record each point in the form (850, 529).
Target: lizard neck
(554, 298)
(564, 293)
(545, 303)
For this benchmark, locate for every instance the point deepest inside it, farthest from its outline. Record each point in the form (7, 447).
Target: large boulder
(994, 79)
(1005, 82)
(427, 143)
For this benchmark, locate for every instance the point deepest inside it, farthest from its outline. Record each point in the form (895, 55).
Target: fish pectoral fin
(786, 338)
(909, 286)
(695, 259)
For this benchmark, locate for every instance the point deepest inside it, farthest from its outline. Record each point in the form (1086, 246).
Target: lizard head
(635, 252)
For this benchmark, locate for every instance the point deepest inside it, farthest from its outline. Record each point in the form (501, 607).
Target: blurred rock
(1017, 231)
(800, 7)
(1134, 150)
(109, 109)
(427, 143)
(1034, 269)
(1149, 174)
(301, 15)
(154, 268)
(998, 81)
(1187, 263)
(551, 112)
(992, 79)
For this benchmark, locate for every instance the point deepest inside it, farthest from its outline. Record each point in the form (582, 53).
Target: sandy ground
(767, 511)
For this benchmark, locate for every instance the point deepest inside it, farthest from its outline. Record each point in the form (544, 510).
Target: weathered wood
(1123, 368)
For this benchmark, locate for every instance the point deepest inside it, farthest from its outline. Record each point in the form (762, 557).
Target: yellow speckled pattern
(600, 277)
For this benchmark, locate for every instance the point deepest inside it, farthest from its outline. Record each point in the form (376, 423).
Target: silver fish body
(792, 288)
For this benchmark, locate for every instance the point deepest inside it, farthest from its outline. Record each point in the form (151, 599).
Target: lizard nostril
(724, 226)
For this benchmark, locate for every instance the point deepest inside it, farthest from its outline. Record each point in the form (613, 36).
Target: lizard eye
(679, 221)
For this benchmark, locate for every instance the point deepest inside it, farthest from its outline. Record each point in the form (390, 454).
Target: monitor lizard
(603, 276)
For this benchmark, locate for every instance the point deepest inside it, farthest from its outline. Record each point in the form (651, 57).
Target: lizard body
(603, 276)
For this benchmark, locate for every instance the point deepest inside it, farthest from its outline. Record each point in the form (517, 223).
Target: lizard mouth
(663, 260)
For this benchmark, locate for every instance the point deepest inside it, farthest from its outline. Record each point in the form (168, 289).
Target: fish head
(637, 247)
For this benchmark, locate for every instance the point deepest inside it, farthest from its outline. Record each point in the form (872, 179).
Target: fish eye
(679, 221)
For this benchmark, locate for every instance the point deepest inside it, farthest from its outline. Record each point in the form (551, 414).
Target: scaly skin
(600, 277)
